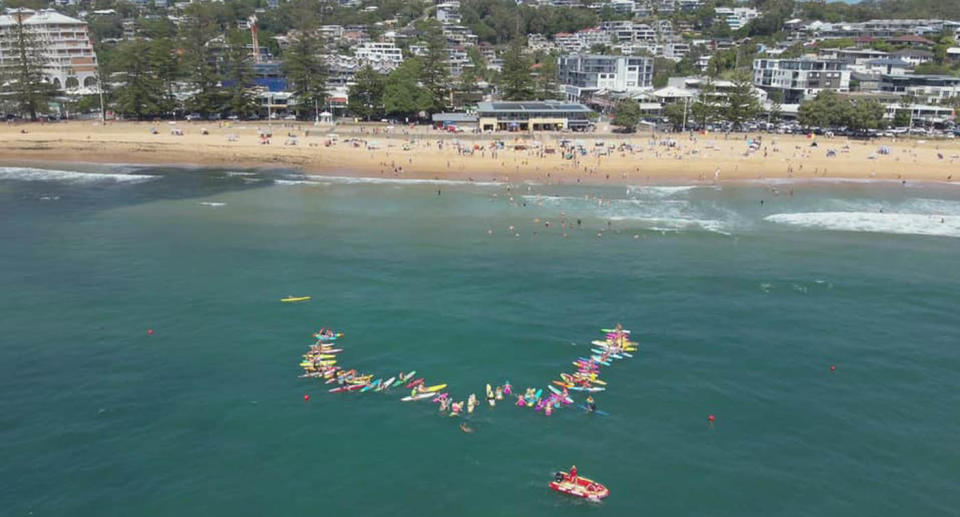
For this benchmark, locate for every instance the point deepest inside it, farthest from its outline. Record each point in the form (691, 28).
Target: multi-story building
(66, 48)
(676, 50)
(736, 17)
(802, 78)
(449, 12)
(383, 53)
(584, 74)
(929, 89)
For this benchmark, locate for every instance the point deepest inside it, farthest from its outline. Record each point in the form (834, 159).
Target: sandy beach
(379, 150)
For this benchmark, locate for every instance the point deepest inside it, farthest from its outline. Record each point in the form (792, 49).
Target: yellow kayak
(437, 387)
(321, 356)
(295, 299)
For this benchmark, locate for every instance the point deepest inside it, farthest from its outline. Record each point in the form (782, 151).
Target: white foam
(659, 191)
(211, 203)
(675, 224)
(895, 223)
(32, 174)
(241, 174)
(299, 182)
(407, 181)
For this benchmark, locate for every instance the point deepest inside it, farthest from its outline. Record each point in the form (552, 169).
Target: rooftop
(530, 106)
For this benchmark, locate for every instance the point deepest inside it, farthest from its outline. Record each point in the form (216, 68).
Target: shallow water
(740, 309)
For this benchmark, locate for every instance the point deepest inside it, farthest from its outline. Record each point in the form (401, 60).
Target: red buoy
(149, 332)
(306, 397)
(711, 419)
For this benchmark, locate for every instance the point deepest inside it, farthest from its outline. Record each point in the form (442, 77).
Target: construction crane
(253, 37)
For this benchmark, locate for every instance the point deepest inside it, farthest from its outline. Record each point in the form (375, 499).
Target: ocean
(742, 296)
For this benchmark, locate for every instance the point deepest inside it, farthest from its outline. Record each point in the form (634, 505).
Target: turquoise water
(740, 309)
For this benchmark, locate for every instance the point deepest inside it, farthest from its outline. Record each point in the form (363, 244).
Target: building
(802, 78)
(449, 12)
(584, 74)
(382, 53)
(913, 56)
(70, 61)
(533, 116)
(736, 17)
(929, 89)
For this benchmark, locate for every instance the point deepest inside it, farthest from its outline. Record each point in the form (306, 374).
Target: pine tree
(704, 110)
(166, 68)
(366, 95)
(741, 104)
(306, 70)
(199, 65)
(141, 94)
(240, 100)
(516, 80)
(548, 86)
(435, 74)
(30, 91)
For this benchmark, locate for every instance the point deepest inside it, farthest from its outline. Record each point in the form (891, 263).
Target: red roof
(911, 38)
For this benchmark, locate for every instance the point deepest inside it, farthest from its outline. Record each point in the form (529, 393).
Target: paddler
(499, 393)
(591, 405)
(572, 477)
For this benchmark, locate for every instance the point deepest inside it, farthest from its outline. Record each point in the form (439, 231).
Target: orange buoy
(149, 332)
(306, 397)
(833, 368)
(711, 419)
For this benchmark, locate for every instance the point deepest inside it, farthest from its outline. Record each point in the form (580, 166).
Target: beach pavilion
(533, 116)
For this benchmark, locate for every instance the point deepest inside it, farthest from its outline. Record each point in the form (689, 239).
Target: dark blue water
(740, 310)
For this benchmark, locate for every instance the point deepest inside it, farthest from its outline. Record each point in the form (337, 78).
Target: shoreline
(610, 159)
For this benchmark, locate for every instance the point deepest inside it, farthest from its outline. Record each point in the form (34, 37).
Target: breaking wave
(874, 222)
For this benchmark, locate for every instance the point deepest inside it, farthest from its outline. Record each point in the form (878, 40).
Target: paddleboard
(436, 387)
(415, 383)
(419, 396)
(295, 299)
(596, 412)
(386, 384)
(588, 390)
(346, 388)
(371, 386)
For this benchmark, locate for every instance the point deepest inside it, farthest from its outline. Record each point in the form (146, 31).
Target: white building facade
(584, 74)
(800, 79)
(70, 61)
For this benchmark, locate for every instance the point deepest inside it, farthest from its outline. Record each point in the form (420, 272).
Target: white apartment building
(584, 74)
(736, 17)
(676, 50)
(331, 32)
(801, 78)
(70, 61)
(581, 40)
(385, 54)
(449, 12)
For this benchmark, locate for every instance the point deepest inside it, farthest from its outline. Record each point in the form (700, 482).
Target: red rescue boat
(572, 484)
